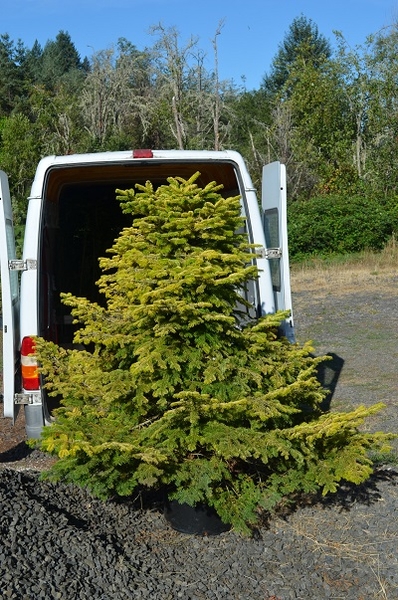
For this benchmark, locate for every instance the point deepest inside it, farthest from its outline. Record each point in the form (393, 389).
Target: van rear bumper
(34, 420)
(34, 417)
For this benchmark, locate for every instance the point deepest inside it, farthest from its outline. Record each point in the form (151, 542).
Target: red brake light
(28, 346)
(142, 153)
(30, 373)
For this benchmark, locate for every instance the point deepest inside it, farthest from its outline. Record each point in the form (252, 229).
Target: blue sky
(249, 39)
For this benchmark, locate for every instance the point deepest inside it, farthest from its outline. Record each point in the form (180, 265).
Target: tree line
(330, 115)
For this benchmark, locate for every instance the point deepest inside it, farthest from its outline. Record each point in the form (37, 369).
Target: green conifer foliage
(180, 388)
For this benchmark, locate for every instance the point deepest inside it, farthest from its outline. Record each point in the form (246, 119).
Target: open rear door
(274, 204)
(10, 300)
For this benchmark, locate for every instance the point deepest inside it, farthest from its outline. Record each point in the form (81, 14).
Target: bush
(339, 224)
(182, 390)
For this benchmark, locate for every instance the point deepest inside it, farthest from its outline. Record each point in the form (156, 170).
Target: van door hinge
(269, 253)
(22, 265)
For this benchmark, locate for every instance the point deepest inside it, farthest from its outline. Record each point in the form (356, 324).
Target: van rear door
(10, 300)
(274, 204)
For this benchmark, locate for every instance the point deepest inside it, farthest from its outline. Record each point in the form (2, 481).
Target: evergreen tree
(60, 60)
(33, 63)
(180, 388)
(11, 83)
(303, 41)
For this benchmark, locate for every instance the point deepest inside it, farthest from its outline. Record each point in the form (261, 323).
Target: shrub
(182, 390)
(339, 224)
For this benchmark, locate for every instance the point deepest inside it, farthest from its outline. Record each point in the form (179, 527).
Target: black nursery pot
(196, 520)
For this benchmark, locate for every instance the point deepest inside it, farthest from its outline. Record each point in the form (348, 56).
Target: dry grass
(325, 292)
(367, 270)
(329, 534)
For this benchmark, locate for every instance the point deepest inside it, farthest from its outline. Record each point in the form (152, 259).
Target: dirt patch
(11, 435)
(14, 451)
(352, 314)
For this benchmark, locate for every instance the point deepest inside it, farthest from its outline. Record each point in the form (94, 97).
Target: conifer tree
(178, 386)
(302, 42)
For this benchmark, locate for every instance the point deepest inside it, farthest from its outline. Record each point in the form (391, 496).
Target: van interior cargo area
(82, 218)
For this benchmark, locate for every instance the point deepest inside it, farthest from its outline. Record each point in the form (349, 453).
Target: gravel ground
(58, 542)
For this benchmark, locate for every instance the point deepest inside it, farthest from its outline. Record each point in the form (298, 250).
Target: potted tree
(178, 386)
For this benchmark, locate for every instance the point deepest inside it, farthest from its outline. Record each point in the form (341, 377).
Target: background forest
(330, 116)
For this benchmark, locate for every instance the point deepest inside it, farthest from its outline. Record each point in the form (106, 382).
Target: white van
(73, 217)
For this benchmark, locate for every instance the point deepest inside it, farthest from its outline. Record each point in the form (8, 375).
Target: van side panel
(10, 302)
(29, 287)
(266, 295)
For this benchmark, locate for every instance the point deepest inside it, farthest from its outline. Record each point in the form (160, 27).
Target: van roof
(127, 156)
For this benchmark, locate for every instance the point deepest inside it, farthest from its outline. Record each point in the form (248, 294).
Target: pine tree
(178, 386)
(303, 41)
(11, 83)
(59, 61)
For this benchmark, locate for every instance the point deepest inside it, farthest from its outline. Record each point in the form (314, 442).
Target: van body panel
(257, 236)
(10, 301)
(73, 218)
(29, 281)
(274, 204)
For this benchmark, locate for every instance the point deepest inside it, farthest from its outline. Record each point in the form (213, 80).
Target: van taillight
(30, 372)
(142, 153)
